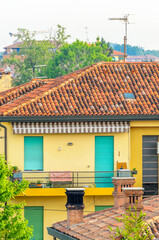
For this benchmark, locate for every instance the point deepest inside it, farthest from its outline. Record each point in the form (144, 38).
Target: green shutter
(33, 153)
(99, 208)
(104, 160)
(34, 215)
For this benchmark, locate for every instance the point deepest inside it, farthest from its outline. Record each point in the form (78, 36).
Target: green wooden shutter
(99, 208)
(104, 160)
(33, 153)
(34, 215)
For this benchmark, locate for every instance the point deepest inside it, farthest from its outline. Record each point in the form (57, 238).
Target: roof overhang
(55, 233)
(78, 118)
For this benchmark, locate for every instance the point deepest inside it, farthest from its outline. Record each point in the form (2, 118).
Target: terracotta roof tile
(117, 53)
(95, 90)
(95, 225)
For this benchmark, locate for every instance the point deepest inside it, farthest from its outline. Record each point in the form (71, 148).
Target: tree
(60, 36)
(12, 224)
(31, 54)
(74, 56)
(134, 227)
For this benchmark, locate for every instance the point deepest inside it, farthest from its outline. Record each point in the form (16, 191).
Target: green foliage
(135, 50)
(134, 227)
(77, 55)
(12, 224)
(31, 54)
(60, 36)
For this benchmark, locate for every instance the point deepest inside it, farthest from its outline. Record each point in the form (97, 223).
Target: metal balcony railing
(62, 179)
(58, 179)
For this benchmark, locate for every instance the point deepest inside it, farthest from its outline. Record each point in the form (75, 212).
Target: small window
(129, 96)
(99, 208)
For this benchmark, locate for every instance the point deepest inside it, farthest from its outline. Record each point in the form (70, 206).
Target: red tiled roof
(14, 45)
(117, 53)
(95, 90)
(95, 225)
(18, 44)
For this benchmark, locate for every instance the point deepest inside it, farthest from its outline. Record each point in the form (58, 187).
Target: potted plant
(48, 184)
(39, 183)
(17, 174)
(134, 171)
(15, 169)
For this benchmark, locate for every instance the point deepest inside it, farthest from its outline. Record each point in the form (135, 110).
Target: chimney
(119, 184)
(74, 205)
(133, 198)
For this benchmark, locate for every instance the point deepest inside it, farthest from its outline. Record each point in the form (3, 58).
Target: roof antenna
(86, 31)
(126, 21)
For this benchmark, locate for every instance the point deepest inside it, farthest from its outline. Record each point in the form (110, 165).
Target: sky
(75, 15)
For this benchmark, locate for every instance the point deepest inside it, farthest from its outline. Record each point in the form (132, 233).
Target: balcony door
(33, 153)
(104, 160)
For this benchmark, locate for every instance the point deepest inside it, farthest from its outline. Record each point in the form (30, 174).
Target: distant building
(145, 58)
(15, 47)
(117, 56)
(5, 79)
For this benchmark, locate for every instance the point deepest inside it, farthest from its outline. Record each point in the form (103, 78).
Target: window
(34, 215)
(99, 208)
(129, 96)
(33, 153)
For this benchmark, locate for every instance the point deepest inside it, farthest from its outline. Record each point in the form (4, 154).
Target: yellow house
(76, 131)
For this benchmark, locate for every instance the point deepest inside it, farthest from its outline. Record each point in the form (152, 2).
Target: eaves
(78, 118)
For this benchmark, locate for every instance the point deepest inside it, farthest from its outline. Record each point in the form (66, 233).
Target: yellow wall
(79, 157)
(58, 203)
(139, 129)
(5, 82)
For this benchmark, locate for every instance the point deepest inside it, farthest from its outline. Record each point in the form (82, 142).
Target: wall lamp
(69, 144)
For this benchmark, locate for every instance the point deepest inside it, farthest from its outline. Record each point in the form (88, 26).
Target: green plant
(12, 223)
(134, 227)
(39, 182)
(49, 184)
(15, 168)
(93, 185)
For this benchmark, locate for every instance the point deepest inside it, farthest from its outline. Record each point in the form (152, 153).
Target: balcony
(69, 179)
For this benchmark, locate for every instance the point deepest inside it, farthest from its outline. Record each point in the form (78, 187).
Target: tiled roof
(95, 225)
(14, 45)
(95, 90)
(117, 53)
(18, 44)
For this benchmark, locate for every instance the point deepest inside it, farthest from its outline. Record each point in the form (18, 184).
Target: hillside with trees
(134, 50)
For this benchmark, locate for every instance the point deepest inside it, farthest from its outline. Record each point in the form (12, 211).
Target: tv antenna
(126, 22)
(86, 31)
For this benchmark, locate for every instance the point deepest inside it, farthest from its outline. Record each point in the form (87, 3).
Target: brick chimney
(119, 183)
(74, 205)
(133, 198)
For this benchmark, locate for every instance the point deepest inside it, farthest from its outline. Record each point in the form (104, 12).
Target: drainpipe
(5, 140)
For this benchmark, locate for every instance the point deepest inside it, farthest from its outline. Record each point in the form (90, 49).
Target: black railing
(62, 179)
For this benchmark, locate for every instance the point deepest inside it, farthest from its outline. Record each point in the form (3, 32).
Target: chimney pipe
(74, 205)
(133, 198)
